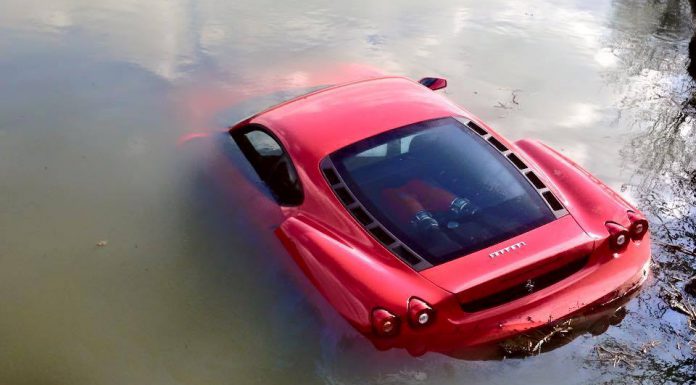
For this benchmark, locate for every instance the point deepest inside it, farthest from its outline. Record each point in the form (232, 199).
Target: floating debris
(672, 248)
(617, 354)
(102, 243)
(679, 303)
(514, 97)
(648, 346)
(502, 105)
(530, 344)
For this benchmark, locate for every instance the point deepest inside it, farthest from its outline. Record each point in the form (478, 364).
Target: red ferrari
(423, 226)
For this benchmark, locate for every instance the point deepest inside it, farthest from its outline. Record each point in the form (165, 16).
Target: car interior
(445, 156)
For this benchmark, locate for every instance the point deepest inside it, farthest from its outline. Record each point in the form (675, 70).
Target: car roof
(317, 124)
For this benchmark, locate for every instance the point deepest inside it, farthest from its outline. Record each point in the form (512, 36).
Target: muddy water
(93, 98)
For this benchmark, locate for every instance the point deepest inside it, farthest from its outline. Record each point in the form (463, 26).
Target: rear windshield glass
(441, 189)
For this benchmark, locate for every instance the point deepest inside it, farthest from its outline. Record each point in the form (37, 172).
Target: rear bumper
(605, 282)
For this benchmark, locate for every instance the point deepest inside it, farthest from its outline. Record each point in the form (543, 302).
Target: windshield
(441, 188)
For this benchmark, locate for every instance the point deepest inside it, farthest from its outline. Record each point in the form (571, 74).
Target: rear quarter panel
(590, 201)
(350, 278)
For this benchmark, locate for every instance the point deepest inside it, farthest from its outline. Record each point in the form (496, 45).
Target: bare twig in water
(676, 248)
(560, 329)
(514, 101)
(503, 106)
(529, 344)
(616, 354)
(648, 346)
(514, 97)
(679, 303)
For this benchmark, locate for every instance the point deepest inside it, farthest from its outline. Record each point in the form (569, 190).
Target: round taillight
(384, 323)
(420, 313)
(620, 240)
(618, 236)
(423, 318)
(639, 225)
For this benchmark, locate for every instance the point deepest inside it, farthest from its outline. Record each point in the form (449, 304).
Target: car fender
(349, 278)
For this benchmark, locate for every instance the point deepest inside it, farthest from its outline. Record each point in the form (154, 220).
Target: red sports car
(423, 226)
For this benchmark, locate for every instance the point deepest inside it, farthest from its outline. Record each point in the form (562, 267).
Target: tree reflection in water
(660, 62)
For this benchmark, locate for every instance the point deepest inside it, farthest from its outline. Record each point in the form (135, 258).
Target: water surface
(94, 96)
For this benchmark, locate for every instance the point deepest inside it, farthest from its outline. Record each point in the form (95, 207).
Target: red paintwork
(356, 274)
(320, 123)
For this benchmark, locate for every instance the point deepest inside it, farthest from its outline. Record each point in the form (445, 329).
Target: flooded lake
(118, 265)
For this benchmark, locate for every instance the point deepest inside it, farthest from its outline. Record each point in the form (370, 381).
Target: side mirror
(434, 83)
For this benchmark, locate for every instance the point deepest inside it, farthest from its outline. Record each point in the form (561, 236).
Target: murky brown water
(93, 98)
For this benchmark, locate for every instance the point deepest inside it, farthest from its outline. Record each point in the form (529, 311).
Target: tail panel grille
(526, 288)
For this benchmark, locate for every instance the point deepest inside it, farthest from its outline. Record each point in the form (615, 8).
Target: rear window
(441, 189)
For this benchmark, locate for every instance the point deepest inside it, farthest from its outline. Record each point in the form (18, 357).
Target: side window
(264, 144)
(379, 151)
(271, 163)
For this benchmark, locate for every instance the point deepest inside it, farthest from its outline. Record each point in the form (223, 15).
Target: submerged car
(424, 227)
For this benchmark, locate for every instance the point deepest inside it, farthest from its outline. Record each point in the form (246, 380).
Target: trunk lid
(516, 267)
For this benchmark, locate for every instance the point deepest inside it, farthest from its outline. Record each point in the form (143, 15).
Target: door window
(271, 163)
